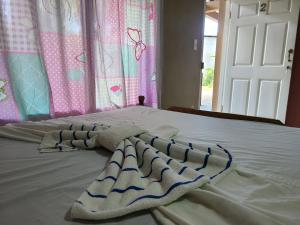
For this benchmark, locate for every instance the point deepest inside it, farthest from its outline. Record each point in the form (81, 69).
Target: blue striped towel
(145, 171)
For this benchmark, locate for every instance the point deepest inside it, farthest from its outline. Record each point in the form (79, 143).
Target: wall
(293, 108)
(216, 99)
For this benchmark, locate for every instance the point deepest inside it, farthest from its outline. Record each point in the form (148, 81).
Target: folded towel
(85, 136)
(147, 171)
(144, 171)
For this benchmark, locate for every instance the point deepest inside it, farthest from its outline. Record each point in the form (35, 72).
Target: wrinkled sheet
(264, 189)
(144, 171)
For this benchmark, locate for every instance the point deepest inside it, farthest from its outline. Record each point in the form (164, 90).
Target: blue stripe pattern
(88, 135)
(85, 143)
(95, 195)
(127, 189)
(209, 150)
(204, 163)
(152, 141)
(130, 155)
(127, 146)
(117, 190)
(107, 178)
(60, 136)
(116, 163)
(151, 167)
(74, 135)
(142, 163)
(60, 141)
(186, 155)
(169, 160)
(161, 174)
(130, 169)
(156, 157)
(171, 188)
(167, 192)
(205, 160)
(168, 149)
(136, 143)
(228, 162)
(182, 170)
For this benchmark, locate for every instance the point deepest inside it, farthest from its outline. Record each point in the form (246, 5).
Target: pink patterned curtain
(72, 57)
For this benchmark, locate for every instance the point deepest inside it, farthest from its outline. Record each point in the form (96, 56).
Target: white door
(261, 40)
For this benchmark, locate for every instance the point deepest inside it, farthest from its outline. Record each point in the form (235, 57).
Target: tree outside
(209, 51)
(208, 77)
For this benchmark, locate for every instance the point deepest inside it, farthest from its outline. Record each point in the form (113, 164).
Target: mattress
(39, 188)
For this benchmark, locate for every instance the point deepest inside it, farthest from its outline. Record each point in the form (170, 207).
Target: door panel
(275, 36)
(277, 7)
(240, 91)
(248, 10)
(244, 45)
(183, 25)
(261, 33)
(268, 98)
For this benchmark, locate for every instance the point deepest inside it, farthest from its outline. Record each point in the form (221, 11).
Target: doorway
(209, 53)
(259, 57)
(253, 57)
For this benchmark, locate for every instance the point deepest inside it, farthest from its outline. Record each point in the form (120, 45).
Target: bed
(39, 188)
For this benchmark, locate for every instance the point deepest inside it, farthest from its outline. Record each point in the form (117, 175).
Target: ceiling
(212, 9)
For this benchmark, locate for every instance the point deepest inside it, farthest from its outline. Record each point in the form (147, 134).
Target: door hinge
(202, 65)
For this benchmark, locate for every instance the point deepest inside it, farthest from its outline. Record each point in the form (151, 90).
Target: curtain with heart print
(70, 57)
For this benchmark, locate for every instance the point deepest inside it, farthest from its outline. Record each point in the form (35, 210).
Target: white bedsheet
(266, 185)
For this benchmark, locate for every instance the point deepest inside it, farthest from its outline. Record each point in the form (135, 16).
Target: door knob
(291, 51)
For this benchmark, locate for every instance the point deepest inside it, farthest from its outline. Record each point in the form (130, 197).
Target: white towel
(88, 136)
(145, 171)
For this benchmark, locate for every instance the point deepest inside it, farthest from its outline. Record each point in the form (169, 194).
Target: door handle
(290, 52)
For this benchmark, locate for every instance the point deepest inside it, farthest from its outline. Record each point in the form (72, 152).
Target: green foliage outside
(208, 77)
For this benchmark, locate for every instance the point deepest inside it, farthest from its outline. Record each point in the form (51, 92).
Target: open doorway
(209, 53)
(247, 70)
